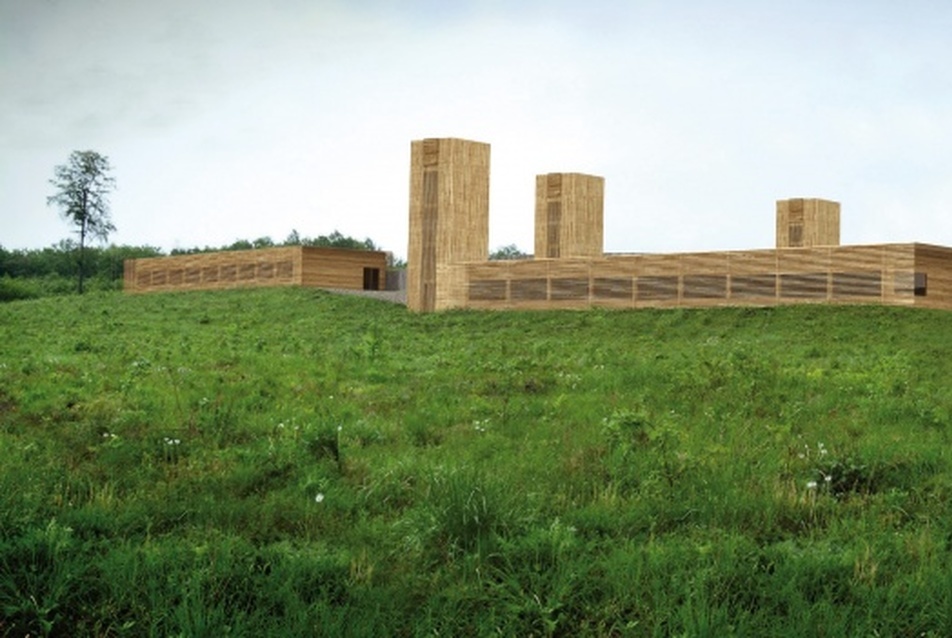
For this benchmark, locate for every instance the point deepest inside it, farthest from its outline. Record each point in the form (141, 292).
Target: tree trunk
(82, 239)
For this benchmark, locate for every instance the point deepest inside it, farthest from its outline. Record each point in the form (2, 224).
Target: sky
(245, 119)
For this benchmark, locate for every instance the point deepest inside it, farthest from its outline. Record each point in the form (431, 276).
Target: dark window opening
(919, 287)
(553, 229)
(796, 235)
(371, 279)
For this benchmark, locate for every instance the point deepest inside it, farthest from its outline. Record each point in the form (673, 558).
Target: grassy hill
(290, 462)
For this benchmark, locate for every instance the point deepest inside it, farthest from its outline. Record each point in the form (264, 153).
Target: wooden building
(909, 274)
(286, 266)
(448, 268)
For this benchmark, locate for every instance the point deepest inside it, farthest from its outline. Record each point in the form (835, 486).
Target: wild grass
(290, 462)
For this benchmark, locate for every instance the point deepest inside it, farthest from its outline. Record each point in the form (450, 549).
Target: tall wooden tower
(449, 216)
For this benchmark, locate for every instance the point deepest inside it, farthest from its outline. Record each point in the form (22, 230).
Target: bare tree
(82, 186)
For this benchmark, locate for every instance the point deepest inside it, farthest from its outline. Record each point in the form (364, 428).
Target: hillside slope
(291, 462)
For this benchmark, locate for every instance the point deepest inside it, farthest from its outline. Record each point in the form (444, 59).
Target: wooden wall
(837, 274)
(449, 216)
(341, 268)
(285, 266)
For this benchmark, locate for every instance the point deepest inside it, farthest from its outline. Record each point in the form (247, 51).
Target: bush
(16, 289)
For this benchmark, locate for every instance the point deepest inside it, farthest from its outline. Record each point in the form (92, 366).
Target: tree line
(29, 273)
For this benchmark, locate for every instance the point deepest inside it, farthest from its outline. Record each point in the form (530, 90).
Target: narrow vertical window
(919, 287)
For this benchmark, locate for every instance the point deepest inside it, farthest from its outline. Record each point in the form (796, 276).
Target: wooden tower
(803, 223)
(569, 215)
(449, 217)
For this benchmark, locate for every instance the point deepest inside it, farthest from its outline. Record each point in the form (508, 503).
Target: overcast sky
(241, 119)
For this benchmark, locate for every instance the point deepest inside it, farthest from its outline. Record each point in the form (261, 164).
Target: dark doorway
(371, 279)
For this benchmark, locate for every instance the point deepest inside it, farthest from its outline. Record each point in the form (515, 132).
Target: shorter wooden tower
(805, 223)
(569, 215)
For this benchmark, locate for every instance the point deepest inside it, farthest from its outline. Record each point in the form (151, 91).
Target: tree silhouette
(82, 186)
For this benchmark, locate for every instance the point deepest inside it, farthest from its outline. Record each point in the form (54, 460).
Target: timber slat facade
(807, 266)
(285, 266)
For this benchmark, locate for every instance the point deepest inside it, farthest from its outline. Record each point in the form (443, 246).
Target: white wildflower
(318, 498)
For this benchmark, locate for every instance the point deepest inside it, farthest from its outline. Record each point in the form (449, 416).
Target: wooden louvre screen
(569, 289)
(612, 288)
(704, 286)
(857, 284)
(528, 289)
(488, 290)
(657, 288)
(753, 286)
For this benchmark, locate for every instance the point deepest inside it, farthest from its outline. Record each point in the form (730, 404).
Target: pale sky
(241, 119)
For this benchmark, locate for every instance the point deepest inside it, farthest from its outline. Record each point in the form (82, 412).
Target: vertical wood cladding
(569, 215)
(805, 223)
(449, 219)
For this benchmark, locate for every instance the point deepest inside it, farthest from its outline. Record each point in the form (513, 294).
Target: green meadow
(295, 463)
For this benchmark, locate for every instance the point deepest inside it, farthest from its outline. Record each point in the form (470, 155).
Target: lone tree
(82, 189)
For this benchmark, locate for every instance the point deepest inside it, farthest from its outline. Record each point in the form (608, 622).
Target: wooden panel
(659, 265)
(804, 285)
(613, 288)
(657, 288)
(704, 286)
(753, 286)
(708, 262)
(528, 289)
(488, 290)
(339, 268)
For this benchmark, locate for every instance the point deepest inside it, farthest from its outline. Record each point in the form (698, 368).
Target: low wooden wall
(883, 274)
(285, 266)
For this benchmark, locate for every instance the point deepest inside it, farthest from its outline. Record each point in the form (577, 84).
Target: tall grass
(288, 462)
